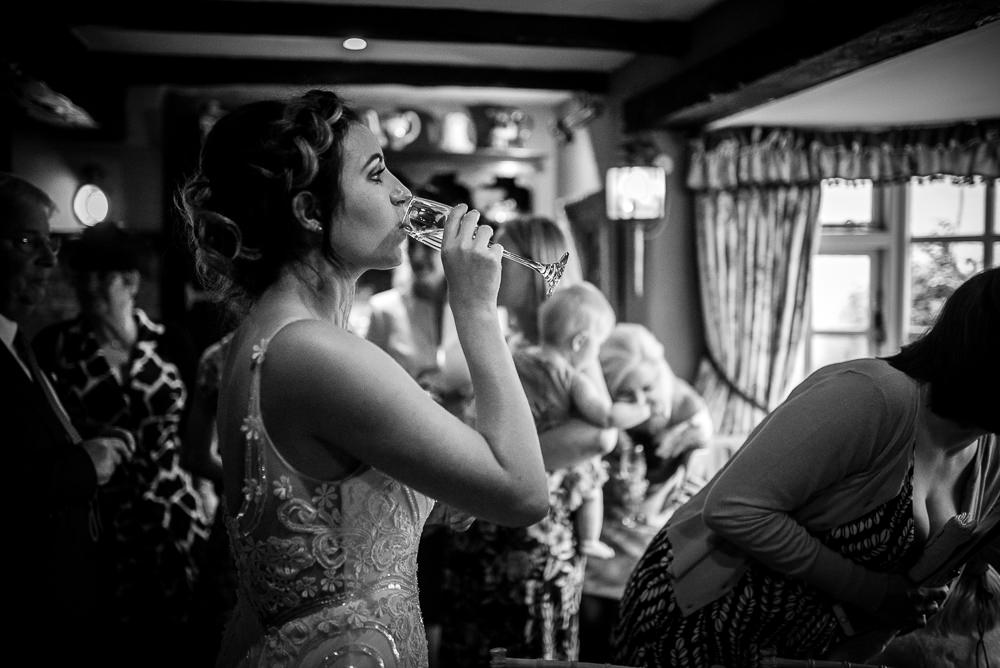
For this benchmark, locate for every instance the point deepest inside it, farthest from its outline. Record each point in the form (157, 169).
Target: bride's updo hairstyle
(238, 206)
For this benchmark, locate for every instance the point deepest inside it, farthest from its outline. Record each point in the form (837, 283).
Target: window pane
(841, 293)
(942, 208)
(832, 348)
(845, 203)
(936, 269)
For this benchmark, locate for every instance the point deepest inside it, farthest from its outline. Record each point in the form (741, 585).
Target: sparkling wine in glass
(423, 220)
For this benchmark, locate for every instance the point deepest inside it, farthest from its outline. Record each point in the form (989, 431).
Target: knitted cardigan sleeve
(828, 430)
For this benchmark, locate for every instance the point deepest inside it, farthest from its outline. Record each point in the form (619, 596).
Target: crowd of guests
(113, 375)
(266, 501)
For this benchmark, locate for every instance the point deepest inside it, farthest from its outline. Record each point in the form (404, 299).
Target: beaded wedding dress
(327, 568)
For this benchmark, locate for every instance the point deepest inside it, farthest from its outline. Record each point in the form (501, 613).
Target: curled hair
(959, 356)
(238, 206)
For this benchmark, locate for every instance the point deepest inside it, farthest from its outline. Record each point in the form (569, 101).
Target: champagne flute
(423, 221)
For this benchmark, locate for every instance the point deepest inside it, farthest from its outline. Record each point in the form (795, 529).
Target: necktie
(28, 356)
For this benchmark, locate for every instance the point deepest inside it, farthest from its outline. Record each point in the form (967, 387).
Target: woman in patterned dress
(807, 535)
(520, 588)
(114, 367)
(333, 456)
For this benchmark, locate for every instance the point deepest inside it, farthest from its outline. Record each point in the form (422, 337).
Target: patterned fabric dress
(327, 568)
(520, 588)
(547, 379)
(517, 588)
(153, 519)
(765, 610)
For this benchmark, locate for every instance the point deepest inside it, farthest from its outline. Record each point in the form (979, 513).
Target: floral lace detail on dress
(327, 566)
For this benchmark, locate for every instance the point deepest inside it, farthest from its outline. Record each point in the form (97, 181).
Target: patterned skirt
(764, 611)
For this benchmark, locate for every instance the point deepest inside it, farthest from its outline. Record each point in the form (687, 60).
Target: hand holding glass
(424, 219)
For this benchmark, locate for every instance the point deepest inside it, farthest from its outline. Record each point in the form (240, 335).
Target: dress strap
(255, 479)
(257, 353)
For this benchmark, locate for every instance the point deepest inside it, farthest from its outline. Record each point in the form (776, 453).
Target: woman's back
(327, 566)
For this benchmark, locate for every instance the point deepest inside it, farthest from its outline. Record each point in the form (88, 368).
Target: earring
(313, 225)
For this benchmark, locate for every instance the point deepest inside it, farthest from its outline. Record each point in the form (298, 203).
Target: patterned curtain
(757, 197)
(758, 156)
(754, 251)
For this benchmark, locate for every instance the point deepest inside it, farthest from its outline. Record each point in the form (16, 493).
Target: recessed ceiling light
(355, 44)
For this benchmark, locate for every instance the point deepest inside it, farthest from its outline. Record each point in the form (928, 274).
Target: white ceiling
(113, 40)
(955, 79)
(148, 42)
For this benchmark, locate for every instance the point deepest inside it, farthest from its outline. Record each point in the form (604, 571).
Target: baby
(562, 379)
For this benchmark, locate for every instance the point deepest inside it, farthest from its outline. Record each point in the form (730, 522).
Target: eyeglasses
(27, 242)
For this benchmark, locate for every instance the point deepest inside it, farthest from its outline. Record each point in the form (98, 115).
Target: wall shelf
(479, 158)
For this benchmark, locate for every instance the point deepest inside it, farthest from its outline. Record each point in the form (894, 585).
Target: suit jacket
(52, 483)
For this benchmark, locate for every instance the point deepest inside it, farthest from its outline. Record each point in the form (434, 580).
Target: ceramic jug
(401, 127)
(458, 133)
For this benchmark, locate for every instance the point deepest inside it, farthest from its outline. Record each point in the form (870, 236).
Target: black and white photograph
(539, 334)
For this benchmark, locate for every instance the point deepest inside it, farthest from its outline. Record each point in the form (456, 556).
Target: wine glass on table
(423, 220)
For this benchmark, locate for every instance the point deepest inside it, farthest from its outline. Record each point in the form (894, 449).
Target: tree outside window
(883, 244)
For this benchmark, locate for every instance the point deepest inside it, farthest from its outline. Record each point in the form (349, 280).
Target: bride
(333, 456)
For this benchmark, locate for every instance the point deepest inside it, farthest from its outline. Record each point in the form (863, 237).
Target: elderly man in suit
(52, 475)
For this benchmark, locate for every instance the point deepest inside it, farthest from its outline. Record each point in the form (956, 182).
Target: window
(950, 240)
(841, 294)
(889, 256)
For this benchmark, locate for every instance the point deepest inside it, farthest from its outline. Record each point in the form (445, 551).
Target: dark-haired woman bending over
(808, 533)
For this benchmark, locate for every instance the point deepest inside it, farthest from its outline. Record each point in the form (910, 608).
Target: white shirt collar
(8, 330)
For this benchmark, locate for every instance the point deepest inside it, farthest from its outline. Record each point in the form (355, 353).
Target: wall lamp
(637, 192)
(90, 202)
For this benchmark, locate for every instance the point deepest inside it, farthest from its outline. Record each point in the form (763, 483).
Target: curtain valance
(744, 157)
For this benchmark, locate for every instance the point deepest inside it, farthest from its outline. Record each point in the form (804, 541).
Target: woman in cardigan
(807, 535)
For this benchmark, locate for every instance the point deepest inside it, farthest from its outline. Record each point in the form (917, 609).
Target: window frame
(876, 269)
(887, 240)
(878, 241)
(989, 236)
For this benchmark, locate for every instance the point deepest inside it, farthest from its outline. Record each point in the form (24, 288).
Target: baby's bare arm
(593, 402)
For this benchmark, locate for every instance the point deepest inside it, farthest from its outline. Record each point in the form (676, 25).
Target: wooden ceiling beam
(197, 71)
(391, 23)
(797, 52)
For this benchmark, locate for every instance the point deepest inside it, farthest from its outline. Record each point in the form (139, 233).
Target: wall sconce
(90, 203)
(636, 193)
